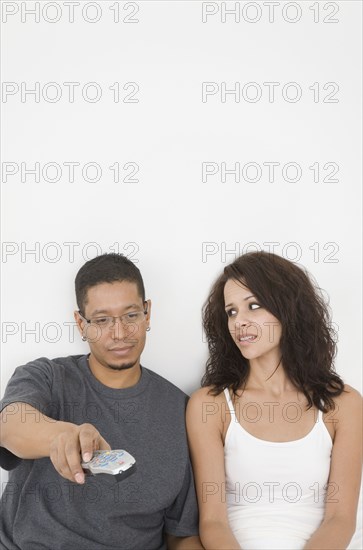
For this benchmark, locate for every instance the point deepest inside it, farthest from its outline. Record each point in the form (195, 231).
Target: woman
(275, 435)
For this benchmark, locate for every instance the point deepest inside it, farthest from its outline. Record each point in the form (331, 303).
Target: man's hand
(67, 448)
(28, 433)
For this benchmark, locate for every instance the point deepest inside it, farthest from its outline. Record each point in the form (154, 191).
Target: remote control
(116, 462)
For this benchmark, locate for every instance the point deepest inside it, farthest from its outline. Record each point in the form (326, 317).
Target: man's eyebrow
(244, 299)
(105, 311)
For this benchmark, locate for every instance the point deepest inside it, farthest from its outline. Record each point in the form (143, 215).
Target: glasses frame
(115, 318)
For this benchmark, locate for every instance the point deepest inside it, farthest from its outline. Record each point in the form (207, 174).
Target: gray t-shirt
(40, 510)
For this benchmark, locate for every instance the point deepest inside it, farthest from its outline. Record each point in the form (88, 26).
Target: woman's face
(255, 331)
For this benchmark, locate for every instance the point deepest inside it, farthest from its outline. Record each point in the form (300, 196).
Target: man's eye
(132, 316)
(101, 320)
(254, 305)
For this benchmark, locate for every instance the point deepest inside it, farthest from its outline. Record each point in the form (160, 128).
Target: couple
(274, 435)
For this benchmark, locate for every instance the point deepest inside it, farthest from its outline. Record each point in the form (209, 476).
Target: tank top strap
(229, 401)
(320, 419)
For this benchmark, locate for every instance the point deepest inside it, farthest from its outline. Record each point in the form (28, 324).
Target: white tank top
(275, 491)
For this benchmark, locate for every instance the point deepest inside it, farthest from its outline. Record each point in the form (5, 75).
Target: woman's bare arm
(338, 525)
(205, 426)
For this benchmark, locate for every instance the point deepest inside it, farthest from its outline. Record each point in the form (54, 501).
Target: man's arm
(29, 434)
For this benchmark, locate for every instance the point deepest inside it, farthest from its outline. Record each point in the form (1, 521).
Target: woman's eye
(254, 305)
(231, 312)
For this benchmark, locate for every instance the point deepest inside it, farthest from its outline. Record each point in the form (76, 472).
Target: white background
(180, 229)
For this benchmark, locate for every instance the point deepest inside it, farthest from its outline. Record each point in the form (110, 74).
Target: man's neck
(117, 379)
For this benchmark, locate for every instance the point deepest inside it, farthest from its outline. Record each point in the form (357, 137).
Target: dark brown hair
(106, 268)
(308, 340)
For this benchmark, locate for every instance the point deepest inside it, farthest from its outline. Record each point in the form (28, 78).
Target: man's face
(115, 343)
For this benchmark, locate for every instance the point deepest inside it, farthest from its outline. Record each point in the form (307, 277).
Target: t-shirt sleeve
(31, 384)
(181, 518)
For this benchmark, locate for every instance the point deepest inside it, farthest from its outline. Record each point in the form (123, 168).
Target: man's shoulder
(165, 386)
(56, 362)
(50, 368)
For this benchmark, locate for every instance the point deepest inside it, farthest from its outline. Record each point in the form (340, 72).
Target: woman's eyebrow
(244, 299)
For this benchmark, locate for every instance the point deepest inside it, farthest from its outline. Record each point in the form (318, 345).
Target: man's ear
(79, 321)
(148, 311)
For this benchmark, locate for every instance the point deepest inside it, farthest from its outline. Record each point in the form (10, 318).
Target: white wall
(177, 226)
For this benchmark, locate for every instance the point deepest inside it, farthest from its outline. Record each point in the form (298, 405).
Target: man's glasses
(108, 321)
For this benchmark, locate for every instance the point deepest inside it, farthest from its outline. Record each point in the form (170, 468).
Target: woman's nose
(241, 319)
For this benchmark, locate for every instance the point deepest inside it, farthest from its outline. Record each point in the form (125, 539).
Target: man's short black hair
(106, 268)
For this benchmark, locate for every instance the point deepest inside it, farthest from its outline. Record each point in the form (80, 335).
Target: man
(55, 413)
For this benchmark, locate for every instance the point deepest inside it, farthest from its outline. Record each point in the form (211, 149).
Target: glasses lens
(134, 317)
(102, 322)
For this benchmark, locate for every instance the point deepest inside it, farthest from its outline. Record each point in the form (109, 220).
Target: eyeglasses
(108, 321)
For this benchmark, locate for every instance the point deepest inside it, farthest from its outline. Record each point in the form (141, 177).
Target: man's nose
(118, 329)
(124, 331)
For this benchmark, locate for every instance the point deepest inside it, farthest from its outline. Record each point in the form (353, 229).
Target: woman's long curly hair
(308, 340)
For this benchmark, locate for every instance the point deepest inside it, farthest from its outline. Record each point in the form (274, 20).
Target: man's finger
(103, 445)
(73, 457)
(88, 436)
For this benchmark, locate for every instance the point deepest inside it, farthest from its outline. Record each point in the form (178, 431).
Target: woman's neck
(269, 377)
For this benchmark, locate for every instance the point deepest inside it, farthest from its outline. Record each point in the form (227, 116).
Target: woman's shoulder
(206, 394)
(204, 404)
(350, 397)
(348, 405)
(206, 415)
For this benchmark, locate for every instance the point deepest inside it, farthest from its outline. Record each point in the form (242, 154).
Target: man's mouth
(121, 351)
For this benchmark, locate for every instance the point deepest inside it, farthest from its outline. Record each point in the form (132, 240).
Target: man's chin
(124, 366)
